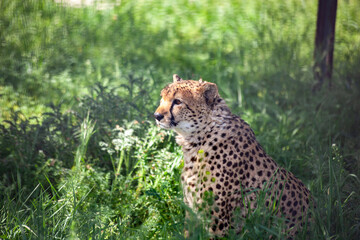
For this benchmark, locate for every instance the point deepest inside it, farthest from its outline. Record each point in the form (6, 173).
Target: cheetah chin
(223, 160)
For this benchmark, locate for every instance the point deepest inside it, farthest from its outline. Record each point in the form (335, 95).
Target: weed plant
(80, 157)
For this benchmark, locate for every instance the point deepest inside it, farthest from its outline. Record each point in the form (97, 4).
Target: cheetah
(223, 159)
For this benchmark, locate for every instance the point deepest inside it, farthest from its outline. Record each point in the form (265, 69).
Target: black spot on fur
(221, 226)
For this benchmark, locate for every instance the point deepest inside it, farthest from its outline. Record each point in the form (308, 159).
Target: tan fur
(223, 160)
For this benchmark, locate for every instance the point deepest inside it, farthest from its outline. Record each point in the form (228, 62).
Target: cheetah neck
(218, 118)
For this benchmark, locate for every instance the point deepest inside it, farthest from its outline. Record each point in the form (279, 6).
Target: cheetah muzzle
(223, 159)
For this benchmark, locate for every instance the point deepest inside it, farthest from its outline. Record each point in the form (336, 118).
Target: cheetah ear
(210, 92)
(176, 78)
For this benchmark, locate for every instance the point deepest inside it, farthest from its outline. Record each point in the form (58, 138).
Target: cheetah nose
(158, 116)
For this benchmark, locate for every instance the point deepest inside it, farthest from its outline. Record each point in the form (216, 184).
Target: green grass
(80, 156)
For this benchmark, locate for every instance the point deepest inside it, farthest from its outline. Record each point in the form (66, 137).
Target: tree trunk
(324, 42)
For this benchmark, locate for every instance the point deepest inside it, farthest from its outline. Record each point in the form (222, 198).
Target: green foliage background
(80, 156)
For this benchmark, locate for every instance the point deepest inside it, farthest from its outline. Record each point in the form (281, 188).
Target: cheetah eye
(176, 102)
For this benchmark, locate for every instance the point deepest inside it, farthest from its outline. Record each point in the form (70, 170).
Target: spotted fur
(223, 160)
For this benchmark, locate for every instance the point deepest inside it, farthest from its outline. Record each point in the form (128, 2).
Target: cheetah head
(185, 105)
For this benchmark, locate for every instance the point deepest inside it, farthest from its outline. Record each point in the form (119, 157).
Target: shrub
(33, 148)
